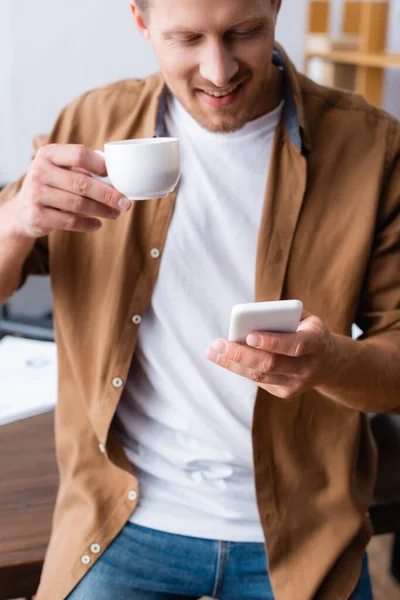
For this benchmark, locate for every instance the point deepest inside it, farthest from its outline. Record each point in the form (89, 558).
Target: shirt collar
(293, 114)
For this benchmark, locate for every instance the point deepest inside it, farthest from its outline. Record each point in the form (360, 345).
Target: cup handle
(102, 179)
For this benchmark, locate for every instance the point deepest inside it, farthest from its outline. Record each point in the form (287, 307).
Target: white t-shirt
(185, 423)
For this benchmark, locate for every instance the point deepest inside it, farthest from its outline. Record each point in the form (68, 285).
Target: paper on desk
(28, 378)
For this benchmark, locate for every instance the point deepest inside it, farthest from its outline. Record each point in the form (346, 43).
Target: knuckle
(36, 172)
(81, 185)
(78, 204)
(110, 198)
(237, 355)
(41, 153)
(268, 364)
(70, 223)
(79, 155)
(35, 190)
(37, 193)
(274, 344)
(256, 375)
(223, 361)
(44, 151)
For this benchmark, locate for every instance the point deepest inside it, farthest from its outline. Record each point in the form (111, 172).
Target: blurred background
(52, 51)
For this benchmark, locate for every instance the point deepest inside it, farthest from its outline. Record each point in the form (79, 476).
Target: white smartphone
(282, 316)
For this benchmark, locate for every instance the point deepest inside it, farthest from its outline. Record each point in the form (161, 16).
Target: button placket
(117, 382)
(155, 253)
(95, 548)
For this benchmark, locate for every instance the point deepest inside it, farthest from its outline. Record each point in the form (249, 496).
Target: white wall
(291, 28)
(392, 95)
(52, 51)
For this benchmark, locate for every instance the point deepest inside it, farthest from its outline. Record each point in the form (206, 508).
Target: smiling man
(190, 465)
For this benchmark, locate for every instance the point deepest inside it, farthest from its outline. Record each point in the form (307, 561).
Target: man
(141, 409)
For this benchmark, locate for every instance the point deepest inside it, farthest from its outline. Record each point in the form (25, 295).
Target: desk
(28, 486)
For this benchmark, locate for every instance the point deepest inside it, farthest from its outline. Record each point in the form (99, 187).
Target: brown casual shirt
(329, 235)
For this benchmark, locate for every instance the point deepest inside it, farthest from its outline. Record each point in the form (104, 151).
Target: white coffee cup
(142, 169)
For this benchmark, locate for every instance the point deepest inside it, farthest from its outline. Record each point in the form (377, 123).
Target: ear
(140, 22)
(277, 8)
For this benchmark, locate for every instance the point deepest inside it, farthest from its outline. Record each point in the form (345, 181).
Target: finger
(53, 219)
(72, 203)
(84, 185)
(297, 344)
(239, 369)
(73, 155)
(258, 360)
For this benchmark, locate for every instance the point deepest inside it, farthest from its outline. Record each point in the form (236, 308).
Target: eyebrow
(249, 19)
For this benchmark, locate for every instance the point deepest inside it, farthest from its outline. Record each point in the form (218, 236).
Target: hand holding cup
(59, 193)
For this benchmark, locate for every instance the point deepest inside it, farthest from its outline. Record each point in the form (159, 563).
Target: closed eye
(248, 33)
(188, 40)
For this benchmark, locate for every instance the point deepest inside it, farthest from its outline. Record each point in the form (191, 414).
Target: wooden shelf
(361, 59)
(365, 66)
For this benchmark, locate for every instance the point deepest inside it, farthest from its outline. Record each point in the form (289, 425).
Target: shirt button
(117, 382)
(95, 548)
(137, 319)
(132, 495)
(102, 448)
(85, 560)
(155, 253)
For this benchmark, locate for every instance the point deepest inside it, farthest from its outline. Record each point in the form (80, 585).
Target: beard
(233, 118)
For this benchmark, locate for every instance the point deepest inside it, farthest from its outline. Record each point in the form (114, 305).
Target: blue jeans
(143, 564)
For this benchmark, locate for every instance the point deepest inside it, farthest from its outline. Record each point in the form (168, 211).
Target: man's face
(215, 56)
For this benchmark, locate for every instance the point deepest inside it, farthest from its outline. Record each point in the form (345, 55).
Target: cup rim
(143, 141)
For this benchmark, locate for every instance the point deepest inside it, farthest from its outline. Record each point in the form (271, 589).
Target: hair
(142, 4)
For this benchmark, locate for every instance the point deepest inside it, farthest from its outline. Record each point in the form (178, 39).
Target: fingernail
(254, 340)
(219, 346)
(211, 355)
(124, 204)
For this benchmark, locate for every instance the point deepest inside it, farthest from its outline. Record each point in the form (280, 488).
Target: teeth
(221, 94)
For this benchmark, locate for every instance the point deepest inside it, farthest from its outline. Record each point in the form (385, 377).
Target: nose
(218, 65)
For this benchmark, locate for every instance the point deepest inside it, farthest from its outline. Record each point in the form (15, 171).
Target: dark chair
(34, 328)
(385, 510)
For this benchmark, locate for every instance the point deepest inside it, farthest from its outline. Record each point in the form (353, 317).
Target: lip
(221, 102)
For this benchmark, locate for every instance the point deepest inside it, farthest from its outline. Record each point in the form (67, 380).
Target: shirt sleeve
(379, 307)
(64, 132)
(37, 262)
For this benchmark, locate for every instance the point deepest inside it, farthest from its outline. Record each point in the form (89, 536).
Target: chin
(225, 127)
(223, 124)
